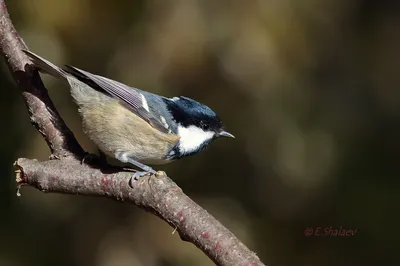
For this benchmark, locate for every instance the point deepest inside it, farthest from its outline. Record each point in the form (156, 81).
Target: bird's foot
(138, 174)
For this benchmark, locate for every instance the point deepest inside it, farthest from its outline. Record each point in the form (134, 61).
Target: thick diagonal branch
(42, 113)
(156, 194)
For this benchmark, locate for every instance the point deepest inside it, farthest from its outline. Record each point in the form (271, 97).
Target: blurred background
(309, 88)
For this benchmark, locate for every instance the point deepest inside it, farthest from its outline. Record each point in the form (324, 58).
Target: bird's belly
(115, 129)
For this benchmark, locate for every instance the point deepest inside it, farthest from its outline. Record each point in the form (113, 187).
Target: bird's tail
(45, 66)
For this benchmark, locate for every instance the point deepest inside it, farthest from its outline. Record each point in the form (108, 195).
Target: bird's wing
(131, 97)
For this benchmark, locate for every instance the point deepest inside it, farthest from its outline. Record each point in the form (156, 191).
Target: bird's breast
(114, 128)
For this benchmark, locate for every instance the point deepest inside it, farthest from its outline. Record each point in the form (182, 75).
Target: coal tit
(135, 126)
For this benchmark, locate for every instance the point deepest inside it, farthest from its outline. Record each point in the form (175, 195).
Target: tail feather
(46, 66)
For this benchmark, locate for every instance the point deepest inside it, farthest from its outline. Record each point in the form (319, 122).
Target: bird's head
(198, 125)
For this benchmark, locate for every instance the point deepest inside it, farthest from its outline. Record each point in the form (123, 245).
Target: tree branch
(156, 194)
(42, 113)
(66, 174)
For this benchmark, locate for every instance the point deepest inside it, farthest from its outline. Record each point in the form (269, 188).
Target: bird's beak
(223, 133)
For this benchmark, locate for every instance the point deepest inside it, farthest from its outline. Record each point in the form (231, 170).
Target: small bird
(136, 126)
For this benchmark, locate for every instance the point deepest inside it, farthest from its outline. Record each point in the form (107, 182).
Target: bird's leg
(138, 174)
(144, 167)
(123, 157)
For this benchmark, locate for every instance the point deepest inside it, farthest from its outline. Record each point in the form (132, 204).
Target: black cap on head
(189, 112)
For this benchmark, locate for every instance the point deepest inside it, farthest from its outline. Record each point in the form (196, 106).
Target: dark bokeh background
(309, 88)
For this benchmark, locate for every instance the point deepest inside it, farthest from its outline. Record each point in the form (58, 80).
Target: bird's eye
(204, 125)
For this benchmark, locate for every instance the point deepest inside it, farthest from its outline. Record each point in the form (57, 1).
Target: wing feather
(131, 97)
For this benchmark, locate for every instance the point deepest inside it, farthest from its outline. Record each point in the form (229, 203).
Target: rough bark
(42, 113)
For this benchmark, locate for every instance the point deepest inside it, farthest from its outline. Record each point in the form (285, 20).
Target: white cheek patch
(192, 137)
(144, 103)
